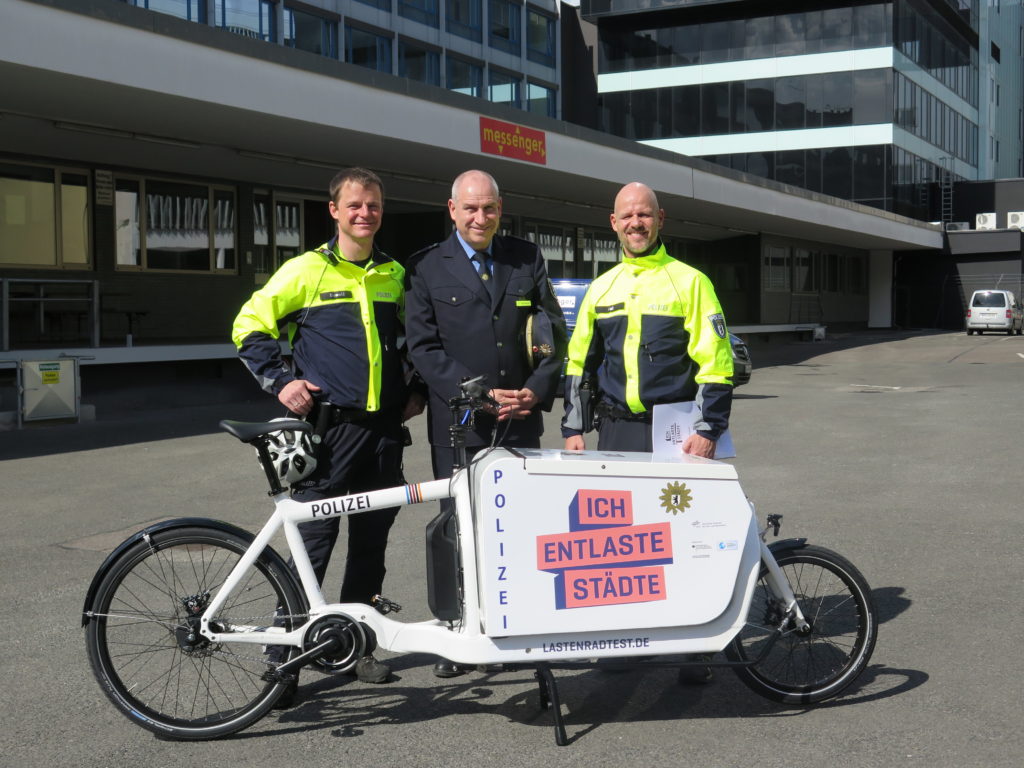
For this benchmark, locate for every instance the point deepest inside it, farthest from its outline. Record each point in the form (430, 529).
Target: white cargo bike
(557, 560)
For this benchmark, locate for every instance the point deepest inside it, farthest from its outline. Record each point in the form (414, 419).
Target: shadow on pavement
(784, 350)
(138, 426)
(347, 709)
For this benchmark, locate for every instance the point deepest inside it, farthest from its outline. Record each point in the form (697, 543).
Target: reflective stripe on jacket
(649, 331)
(344, 324)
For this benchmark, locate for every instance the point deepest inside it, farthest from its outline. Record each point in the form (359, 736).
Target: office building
(155, 167)
(883, 103)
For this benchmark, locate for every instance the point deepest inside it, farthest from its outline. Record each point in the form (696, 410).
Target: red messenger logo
(515, 141)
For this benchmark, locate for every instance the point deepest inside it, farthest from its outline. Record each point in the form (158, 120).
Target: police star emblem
(676, 498)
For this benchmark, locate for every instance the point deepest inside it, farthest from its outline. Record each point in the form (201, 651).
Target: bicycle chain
(256, 659)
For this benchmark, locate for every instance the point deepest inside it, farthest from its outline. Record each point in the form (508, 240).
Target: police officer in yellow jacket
(342, 306)
(648, 331)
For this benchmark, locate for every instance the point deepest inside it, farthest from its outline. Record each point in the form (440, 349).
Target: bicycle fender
(783, 545)
(167, 525)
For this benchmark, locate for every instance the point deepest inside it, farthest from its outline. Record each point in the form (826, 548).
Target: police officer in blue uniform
(468, 302)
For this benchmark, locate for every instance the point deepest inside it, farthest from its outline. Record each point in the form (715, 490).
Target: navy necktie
(480, 257)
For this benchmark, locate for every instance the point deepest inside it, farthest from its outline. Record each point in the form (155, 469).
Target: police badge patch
(718, 323)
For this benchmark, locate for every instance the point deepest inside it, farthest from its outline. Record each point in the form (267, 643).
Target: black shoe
(369, 670)
(289, 698)
(696, 675)
(445, 668)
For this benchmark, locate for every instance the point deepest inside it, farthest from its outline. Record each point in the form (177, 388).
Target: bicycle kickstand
(549, 700)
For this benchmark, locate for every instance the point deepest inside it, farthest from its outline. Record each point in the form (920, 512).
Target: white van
(994, 310)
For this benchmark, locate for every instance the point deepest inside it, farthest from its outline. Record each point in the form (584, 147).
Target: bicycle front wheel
(804, 667)
(143, 641)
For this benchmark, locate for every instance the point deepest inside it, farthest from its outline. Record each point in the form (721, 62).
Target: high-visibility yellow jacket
(649, 331)
(344, 324)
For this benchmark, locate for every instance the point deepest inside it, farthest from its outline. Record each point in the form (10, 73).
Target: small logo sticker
(718, 323)
(676, 498)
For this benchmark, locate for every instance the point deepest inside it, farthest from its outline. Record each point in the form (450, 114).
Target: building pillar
(880, 289)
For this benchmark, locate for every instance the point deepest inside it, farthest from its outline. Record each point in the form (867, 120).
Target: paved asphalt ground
(900, 450)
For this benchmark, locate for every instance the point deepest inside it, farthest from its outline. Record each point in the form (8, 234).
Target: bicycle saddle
(248, 431)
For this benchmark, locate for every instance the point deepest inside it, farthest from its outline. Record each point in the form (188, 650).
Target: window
(714, 108)
(541, 100)
(838, 107)
(423, 11)
(836, 29)
(277, 231)
(556, 243)
(717, 38)
(463, 18)
(367, 49)
(419, 64)
(540, 37)
(190, 10)
(309, 32)
(174, 226)
(776, 268)
(837, 172)
(805, 279)
(505, 88)
(790, 34)
(44, 217)
(249, 18)
(790, 103)
(790, 167)
(872, 96)
(384, 5)
(760, 111)
(464, 77)
(505, 19)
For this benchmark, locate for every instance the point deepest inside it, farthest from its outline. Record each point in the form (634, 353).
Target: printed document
(672, 423)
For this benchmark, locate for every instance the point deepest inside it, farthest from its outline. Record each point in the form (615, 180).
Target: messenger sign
(513, 141)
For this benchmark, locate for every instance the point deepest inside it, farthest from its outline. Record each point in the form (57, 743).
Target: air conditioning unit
(1015, 219)
(985, 221)
(958, 226)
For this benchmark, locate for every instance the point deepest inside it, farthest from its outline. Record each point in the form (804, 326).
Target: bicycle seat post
(460, 410)
(260, 444)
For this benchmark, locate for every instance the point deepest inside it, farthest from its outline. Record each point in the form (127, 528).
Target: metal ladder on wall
(946, 191)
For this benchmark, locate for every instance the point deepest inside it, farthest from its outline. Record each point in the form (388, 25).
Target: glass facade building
(509, 46)
(873, 102)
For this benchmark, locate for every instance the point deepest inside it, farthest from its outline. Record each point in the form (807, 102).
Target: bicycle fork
(780, 586)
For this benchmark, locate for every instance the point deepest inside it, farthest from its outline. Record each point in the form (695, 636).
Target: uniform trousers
(624, 435)
(354, 457)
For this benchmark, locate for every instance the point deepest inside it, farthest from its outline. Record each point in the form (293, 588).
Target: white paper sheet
(672, 423)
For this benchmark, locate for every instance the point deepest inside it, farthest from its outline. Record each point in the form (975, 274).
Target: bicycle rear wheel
(143, 643)
(808, 667)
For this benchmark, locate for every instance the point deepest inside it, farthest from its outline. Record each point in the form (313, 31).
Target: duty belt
(608, 411)
(338, 415)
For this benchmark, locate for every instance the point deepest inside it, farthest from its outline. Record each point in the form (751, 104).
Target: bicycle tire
(806, 668)
(137, 646)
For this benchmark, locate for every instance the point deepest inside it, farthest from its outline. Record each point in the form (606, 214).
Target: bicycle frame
(670, 624)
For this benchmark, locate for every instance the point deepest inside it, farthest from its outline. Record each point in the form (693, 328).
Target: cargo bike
(550, 560)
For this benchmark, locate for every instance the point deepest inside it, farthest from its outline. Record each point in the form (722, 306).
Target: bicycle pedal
(272, 675)
(384, 606)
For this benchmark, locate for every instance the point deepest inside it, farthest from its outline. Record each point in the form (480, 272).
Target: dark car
(741, 363)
